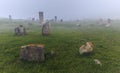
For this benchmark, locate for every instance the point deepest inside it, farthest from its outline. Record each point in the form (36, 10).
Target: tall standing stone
(10, 17)
(41, 17)
(55, 18)
(108, 22)
(46, 28)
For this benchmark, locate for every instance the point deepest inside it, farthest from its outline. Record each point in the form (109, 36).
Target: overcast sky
(66, 9)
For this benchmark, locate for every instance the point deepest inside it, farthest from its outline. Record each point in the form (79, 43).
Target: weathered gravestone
(108, 23)
(32, 52)
(20, 30)
(46, 28)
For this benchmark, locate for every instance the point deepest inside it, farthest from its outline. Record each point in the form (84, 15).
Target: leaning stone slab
(33, 52)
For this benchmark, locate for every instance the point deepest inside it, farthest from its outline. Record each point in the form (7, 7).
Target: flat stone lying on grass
(20, 30)
(46, 28)
(97, 62)
(33, 52)
(87, 48)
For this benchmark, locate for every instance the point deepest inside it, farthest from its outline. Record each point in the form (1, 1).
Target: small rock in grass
(52, 53)
(97, 62)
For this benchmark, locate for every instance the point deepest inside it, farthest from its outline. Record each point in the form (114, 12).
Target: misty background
(64, 9)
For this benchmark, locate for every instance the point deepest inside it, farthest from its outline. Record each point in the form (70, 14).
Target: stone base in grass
(32, 52)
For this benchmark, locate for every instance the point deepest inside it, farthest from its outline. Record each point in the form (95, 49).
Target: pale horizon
(63, 9)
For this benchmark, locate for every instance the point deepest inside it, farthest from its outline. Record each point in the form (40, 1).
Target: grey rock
(32, 53)
(46, 28)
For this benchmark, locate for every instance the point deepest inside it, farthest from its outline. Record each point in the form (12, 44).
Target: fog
(66, 9)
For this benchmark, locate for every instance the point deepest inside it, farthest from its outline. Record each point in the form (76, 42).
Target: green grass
(65, 40)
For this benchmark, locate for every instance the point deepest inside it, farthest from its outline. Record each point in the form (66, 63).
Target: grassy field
(65, 40)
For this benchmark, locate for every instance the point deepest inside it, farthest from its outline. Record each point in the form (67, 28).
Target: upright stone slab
(10, 17)
(20, 30)
(32, 52)
(41, 16)
(33, 19)
(61, 20)
(108, 22)
(46, 28)
(55, 18)
(100, 22)
(17, 31)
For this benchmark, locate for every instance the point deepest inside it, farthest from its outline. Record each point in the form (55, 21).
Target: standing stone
(41, 17)
(100, 22)
(61, 20)
(108, 22)
(32, 52)
(17, 31)
(55, 18)
(46, 28)
(20, 30)
(33, 19)
(10, 17)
